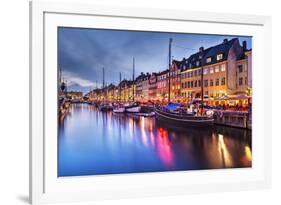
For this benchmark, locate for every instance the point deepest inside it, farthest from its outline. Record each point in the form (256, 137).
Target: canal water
(92, 142)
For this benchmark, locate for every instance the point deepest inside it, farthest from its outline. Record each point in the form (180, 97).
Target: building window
(182, 85)
(240, 68)
(223, 67)
(206, 93)
(217, 69)
(211, 70)
(217, 82)
(223, 81)
(197, 63)
(211, 82)
(246, 81)
(240, 81)
(206, 83)
(205, 71)
(219, 57)
(199, 72)
(195, 83)
(208, 60)
(195, 73)
(188, 84)
(188, 74)
(191, 84)
(217, 94)
(211, 94)
(199, 83)
(191, 74)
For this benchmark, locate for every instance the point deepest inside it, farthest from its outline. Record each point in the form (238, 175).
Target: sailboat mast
(103, 78)
(120, 77)
(169, 78)
(202, 86)
(103, 83)
(133, 79)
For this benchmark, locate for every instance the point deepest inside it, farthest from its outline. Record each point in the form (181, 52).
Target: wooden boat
(183, 118)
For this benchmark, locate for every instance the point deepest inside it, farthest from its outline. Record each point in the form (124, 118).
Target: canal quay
(94, 142)
(195, 115)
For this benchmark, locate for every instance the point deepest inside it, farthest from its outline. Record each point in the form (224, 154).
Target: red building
(175, 81)
(162, 86)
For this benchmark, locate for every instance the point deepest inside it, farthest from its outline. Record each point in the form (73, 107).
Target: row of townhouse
(227, 71)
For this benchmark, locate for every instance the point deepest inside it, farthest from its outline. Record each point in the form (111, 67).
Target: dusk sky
(83, 53)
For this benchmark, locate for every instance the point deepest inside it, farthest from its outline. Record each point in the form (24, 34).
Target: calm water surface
(93, 142)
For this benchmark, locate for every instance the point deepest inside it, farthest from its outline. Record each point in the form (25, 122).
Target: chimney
(201, 49)
(225, 40)
(244, 45)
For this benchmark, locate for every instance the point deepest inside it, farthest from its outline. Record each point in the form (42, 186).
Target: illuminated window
(217, 94)
(205, 71)
(211, 70)
(197, 63)
(223, 67)
(217, 69)
(208, 60)
(219, 57)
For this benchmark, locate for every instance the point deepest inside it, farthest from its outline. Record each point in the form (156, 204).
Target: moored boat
(105, 107)
(187, 119)
(119, 110)
(132, 108)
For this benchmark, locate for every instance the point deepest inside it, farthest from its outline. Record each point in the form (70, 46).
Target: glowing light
(248, 153)
(225, 156)
(164, 148)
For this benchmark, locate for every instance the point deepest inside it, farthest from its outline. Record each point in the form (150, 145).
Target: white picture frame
(46, 187)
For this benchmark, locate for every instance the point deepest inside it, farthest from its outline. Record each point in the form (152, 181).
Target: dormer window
(219, 57)
(197, 63)
(208, 60)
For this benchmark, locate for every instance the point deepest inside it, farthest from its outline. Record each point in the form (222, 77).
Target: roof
(199, 58)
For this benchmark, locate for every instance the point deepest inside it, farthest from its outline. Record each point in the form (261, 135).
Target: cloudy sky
(84, 52)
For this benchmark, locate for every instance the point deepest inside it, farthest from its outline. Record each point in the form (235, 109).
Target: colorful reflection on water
(93, 142)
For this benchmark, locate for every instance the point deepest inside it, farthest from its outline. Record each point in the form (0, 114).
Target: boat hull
(119, 110)
(184, 119)
(133, 109)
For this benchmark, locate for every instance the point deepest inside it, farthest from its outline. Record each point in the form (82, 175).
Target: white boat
(149, 114)
(119, 110)
(135, 109)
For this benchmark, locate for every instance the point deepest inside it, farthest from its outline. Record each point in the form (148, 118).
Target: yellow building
(226, 73)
